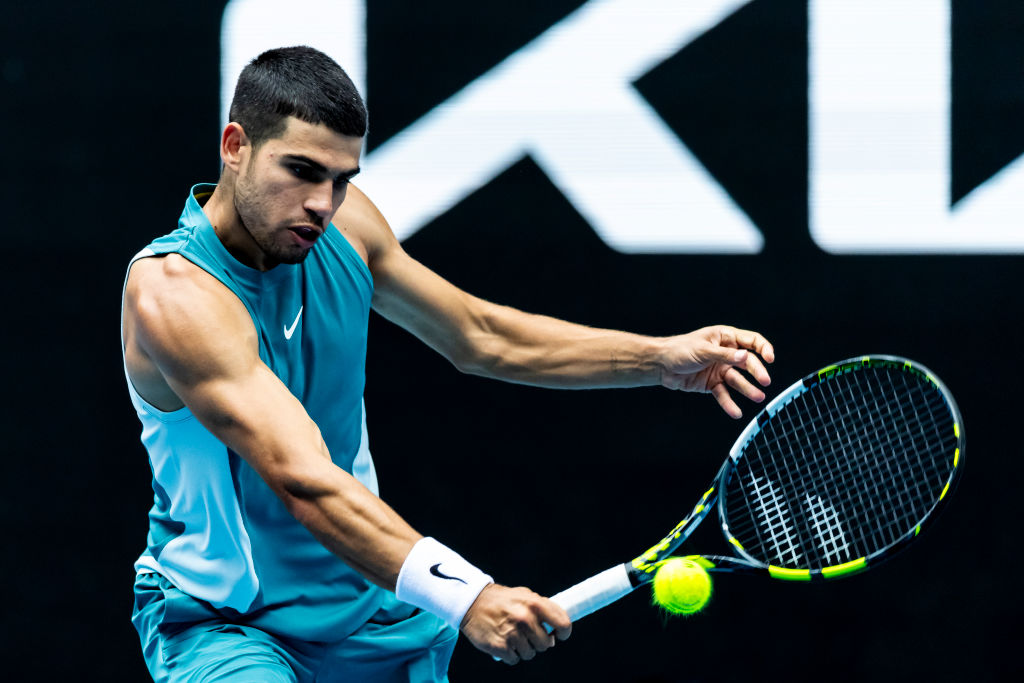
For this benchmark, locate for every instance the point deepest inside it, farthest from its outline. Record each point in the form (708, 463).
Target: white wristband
(437, 579)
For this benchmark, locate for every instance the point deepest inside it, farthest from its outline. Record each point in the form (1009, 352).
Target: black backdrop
(110, 112)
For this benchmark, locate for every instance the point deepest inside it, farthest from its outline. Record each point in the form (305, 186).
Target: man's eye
(301, 171)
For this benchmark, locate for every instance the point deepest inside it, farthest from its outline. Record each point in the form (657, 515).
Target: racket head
(842, 470)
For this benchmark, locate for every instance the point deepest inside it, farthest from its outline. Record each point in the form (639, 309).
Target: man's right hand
(508, 623)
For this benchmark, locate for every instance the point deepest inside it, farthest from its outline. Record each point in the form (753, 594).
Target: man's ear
(234, 146)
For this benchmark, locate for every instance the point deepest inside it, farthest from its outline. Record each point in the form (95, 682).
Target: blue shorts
(185, 639)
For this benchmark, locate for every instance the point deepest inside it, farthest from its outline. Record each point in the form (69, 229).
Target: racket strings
(842, 470)
(926, 473)
(877, 483)
(878, 480)
(917, 480)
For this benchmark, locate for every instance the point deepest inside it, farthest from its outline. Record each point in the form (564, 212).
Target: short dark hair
(296, 81)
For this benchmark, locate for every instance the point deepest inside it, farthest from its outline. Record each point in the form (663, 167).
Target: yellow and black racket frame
(642, 569)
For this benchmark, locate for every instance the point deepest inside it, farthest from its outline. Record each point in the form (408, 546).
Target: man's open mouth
(305, 235)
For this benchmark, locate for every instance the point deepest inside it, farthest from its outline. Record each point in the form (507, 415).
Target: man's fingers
(748, 339)
(742, 358)
(717, 353)
(556, 618)
(757, 370)
(523, 647)
(721, 395)
(532, 637)
(734, 337)
(511, 624)
(536, 638)
(737, 381)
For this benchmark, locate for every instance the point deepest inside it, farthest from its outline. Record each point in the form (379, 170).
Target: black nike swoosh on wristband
(437, 572)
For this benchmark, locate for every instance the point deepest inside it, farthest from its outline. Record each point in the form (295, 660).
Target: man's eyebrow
(320, 168)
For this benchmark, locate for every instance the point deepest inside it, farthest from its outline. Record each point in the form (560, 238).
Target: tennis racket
(835, 475)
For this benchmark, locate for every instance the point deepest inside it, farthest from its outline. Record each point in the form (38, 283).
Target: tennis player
(269, 555)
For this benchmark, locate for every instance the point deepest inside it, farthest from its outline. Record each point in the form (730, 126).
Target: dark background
(110, 113)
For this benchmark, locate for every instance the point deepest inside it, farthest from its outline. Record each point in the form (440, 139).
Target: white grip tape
(594, 593)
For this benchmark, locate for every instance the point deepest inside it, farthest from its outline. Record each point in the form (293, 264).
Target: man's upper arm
(408, 293)
(201, 339)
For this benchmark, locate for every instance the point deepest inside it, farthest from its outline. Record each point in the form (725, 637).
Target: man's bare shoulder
(154, 272)
(364, 226)
(173, 282)
(171, 305)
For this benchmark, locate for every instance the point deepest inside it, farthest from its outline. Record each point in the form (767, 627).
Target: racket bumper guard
(838, 570)
(789, 574)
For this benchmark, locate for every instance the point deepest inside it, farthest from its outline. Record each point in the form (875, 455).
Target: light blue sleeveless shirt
(217, 531)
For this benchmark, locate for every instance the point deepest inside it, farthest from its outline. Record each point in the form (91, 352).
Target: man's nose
(321, 199)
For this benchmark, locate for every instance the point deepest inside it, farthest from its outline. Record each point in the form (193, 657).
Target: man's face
(290, 186)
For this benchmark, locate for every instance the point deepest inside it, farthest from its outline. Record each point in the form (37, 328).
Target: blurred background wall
(844, 177)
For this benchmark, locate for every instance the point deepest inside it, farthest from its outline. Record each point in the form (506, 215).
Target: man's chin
(293, 258)
(291, 255)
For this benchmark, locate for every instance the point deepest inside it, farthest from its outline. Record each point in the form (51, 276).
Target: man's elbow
(482, 357)
(301, 482)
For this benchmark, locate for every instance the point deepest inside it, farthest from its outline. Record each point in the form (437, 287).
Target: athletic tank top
(216, 530)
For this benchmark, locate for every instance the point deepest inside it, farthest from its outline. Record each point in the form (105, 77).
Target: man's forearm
(350, 521)
(371, 538)
(538, 350)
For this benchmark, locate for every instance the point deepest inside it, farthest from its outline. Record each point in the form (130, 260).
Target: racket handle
(594, 593)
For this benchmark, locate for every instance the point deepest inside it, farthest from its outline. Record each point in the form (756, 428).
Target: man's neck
(227, 224)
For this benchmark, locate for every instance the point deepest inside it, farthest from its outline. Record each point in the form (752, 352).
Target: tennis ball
(681, 586)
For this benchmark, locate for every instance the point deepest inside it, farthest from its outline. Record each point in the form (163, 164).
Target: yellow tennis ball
(681, 586)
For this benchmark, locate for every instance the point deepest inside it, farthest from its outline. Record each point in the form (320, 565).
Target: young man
(269, 556)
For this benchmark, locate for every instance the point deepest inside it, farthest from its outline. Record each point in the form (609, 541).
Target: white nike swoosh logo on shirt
(289, 331)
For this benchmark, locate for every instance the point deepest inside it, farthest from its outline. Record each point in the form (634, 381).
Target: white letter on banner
(880, 161)
(566, 100)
